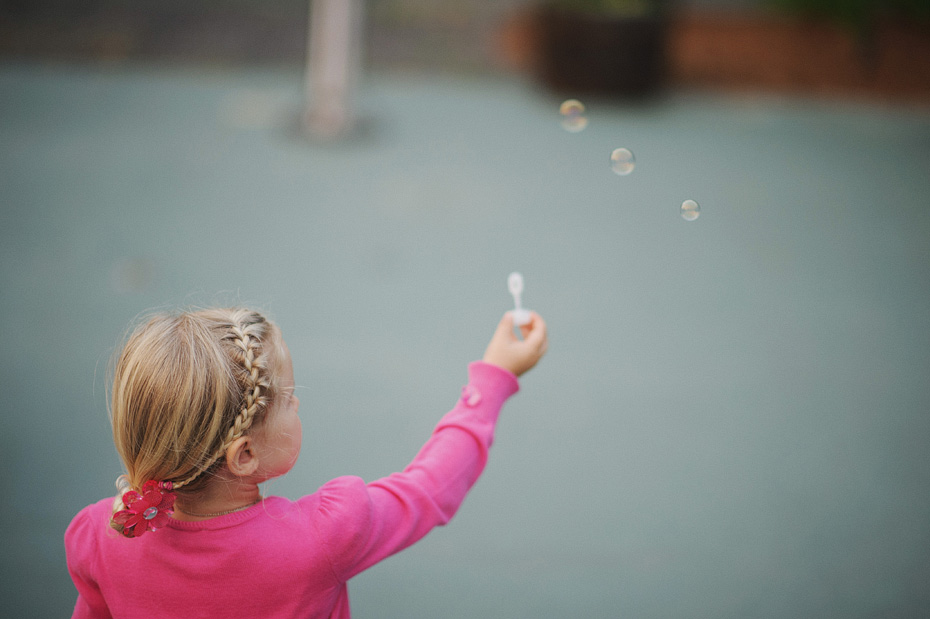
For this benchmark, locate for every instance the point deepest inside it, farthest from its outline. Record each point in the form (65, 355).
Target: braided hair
(186, 386)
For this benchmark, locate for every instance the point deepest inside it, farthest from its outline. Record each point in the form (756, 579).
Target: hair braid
(247, 353)
(252, 400)
(185, 387)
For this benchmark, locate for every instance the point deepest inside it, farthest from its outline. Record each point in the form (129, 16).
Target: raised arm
(365, 523)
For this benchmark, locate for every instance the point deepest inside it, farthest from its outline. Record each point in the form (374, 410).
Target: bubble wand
(515, 284)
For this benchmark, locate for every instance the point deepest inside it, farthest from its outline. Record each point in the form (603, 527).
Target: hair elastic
(147, 511)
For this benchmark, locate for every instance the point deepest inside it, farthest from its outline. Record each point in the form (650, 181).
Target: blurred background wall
(774, 45)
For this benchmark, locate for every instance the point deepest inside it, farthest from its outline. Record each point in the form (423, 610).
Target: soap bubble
(690, 210)
(573, 118)
(622, 161)
(571, 106)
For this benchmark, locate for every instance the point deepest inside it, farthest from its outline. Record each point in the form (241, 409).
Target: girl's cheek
(298, 435)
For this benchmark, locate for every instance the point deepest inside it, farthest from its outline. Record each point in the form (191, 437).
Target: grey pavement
(734, 414)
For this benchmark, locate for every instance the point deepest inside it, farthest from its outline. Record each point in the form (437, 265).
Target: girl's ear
(241, 459)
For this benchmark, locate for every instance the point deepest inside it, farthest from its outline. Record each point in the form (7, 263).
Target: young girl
(203, 411)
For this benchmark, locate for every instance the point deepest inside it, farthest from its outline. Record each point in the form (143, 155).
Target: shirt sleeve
(81, 552)
(361, 524)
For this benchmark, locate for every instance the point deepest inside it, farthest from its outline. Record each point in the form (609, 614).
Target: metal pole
(333, 67)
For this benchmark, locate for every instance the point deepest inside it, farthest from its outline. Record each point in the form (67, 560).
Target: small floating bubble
(690, 210)
(622, 161)
(575, 124)
(573, 118)
(571, 106)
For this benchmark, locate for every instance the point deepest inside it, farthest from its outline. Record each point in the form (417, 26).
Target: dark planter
(581, 52)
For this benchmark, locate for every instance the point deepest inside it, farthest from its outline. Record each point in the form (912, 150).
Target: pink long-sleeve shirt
(283, 558)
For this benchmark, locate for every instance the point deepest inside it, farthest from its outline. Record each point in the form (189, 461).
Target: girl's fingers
(505, 327)
(535, 331)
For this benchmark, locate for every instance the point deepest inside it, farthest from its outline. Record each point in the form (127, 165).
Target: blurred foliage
(856, 13)
(609, 7)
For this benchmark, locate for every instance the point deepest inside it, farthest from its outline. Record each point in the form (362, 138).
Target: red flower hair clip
(147, 511)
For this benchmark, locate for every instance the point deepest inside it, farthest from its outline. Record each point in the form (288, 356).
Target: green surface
(734, 414)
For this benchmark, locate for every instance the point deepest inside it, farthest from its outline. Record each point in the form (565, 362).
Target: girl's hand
(508, 351)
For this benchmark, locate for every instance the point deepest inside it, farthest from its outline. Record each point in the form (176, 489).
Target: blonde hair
(185, 387)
